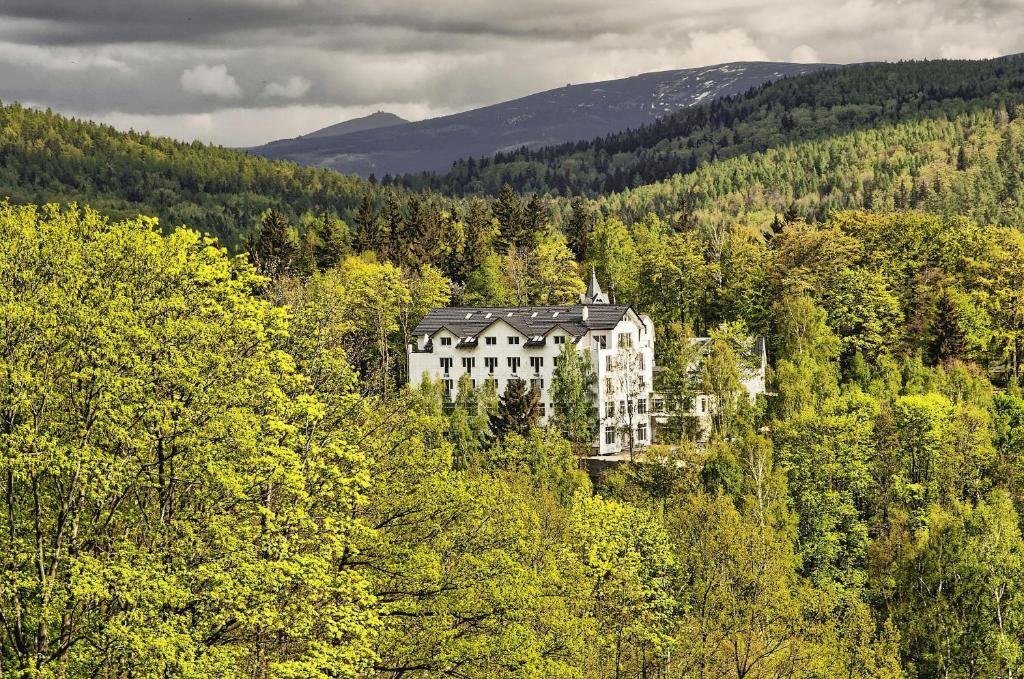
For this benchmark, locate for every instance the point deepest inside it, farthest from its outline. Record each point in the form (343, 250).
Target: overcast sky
(241, 72)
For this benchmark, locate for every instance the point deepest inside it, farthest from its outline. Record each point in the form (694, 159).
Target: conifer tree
(518, 409)
(275, 249)
(579, 228)
(536, 215)
(508, 210)
(949, 338)
(327, 241)
(368, 226)
(393, 225)
(479, 238)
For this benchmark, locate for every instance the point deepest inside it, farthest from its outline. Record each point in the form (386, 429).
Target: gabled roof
(529, 321)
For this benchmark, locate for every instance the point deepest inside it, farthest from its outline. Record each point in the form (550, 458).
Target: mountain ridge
(565, 114)
(374, 121)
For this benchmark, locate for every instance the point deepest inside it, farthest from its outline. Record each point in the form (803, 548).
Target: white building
(753, 375)
(506, 343)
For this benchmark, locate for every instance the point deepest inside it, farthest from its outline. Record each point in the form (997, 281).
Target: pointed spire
(593, 294)
(594, 289)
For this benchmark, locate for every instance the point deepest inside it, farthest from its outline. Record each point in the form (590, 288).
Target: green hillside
(213, 466)
(46, 157)
(790, 110)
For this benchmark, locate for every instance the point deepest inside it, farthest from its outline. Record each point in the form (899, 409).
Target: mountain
(374, 121)
(814, 106)
(570, 113)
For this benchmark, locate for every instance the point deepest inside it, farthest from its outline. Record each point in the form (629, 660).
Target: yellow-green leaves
(164, 513)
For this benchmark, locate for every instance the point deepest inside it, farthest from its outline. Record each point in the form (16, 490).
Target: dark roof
(529, 320)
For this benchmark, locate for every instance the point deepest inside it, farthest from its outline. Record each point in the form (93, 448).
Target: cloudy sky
(241, 72)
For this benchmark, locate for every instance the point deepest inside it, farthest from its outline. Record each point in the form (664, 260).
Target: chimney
(586, 313)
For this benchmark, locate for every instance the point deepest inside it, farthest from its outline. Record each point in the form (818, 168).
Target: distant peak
(369, 122)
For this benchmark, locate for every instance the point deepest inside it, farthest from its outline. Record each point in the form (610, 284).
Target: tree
(627, 565)
(177, 501)
(864, 313)
(827, 453)
(276, 248)
(518, 409)
(950, 341)
(535, 217)
(481, 232)
(469, 423)
(513, 229)
(485, 286)
(572, 395)
(955, 595)
(553, 276)
(578, 228)
(326, 241)
(392, 227)
(369, 229)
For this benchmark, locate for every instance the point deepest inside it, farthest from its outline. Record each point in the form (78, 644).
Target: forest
(788, 111)
(212, 466)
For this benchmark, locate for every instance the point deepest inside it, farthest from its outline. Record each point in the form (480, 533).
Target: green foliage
(178, 500)
(573, 395)
(518, 409)
(773, 116)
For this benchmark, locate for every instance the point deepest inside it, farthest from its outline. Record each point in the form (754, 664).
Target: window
(468, 363)
(491, 362)
(641, 431)
(659, 405)
(559, 339)
(601, 341)
(513, 339)
(537, 383)
(490, 340)
(700, 405)
(536, 362)
(622, 407)
(492, 382)
(543, 409)
(608, 384)
(625, 340)
(449, 385)
(608, 363)
(446, 341)
(513, 364)
(446, 363)
(641, 406)
(609, 408)
(640, 361)
(609, 435)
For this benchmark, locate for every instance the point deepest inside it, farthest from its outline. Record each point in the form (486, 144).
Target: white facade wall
(445, 347)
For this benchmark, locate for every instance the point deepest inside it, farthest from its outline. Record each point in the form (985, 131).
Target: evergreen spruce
(275, 250)
(579, 228)
(949, 339)
(518, 409)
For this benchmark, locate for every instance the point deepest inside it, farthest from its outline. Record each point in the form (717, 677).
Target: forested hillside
(47, 157)
(212, 466)
(790, 110)
(213, 473)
